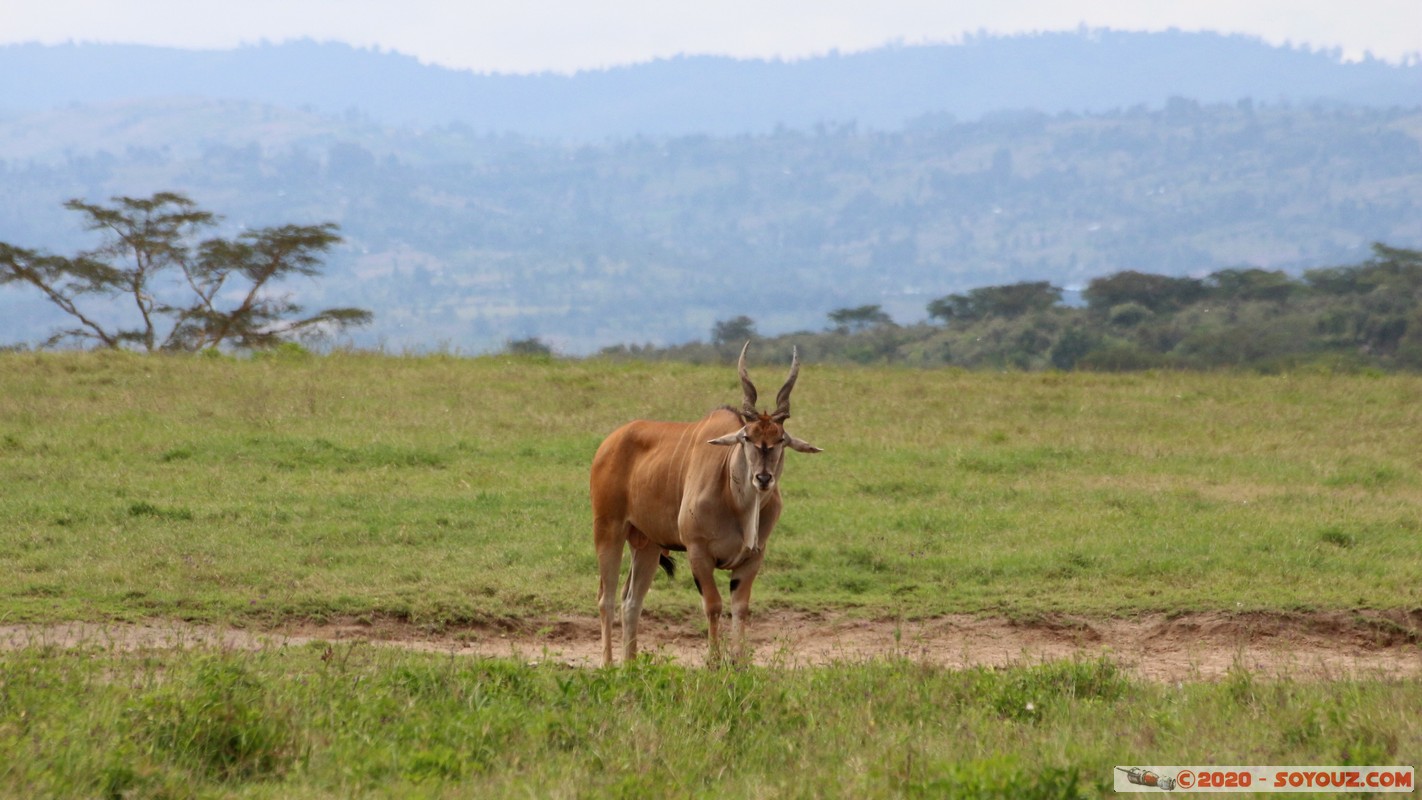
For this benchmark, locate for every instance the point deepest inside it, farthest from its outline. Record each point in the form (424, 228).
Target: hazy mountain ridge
(883, 88)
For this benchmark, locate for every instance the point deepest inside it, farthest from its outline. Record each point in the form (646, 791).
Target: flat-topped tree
(174, 292)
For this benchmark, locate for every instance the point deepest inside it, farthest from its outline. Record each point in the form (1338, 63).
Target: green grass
(350, 721)
(444, 491)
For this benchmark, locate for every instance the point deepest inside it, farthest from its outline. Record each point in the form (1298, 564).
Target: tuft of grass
(176, 454)
(144, 508)
(217, 720)
(1028, 693)
(1368, 476)
(1338, 537)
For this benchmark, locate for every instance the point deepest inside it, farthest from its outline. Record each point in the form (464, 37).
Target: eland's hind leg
(608, 538)
(639, 579)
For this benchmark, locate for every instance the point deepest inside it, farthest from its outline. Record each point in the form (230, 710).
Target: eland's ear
(730, 438)
(801, 446)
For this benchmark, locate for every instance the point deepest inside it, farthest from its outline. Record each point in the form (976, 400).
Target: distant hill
(1084, 71)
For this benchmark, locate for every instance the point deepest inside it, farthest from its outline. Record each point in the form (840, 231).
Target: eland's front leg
(703, 571)
(742, 578)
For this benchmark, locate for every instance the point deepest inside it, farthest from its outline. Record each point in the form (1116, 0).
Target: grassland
(442, 491)
(445, 492)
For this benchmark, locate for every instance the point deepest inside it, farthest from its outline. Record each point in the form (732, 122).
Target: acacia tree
(728, 332)
(860, 318)
(1159, 293)
(1010, 301)
(181, 294)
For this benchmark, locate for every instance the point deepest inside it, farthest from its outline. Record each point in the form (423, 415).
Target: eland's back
(643, 470)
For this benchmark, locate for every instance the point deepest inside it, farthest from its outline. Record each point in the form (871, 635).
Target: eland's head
(763, 438)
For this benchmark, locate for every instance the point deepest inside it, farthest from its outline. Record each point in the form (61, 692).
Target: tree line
(1364, 315)
(154, 284)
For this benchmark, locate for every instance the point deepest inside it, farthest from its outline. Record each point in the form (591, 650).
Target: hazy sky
(567, 35)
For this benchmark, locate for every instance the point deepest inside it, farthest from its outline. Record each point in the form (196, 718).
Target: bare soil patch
(1185, 647)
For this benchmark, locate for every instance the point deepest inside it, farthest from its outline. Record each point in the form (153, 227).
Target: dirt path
(1179, 648)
